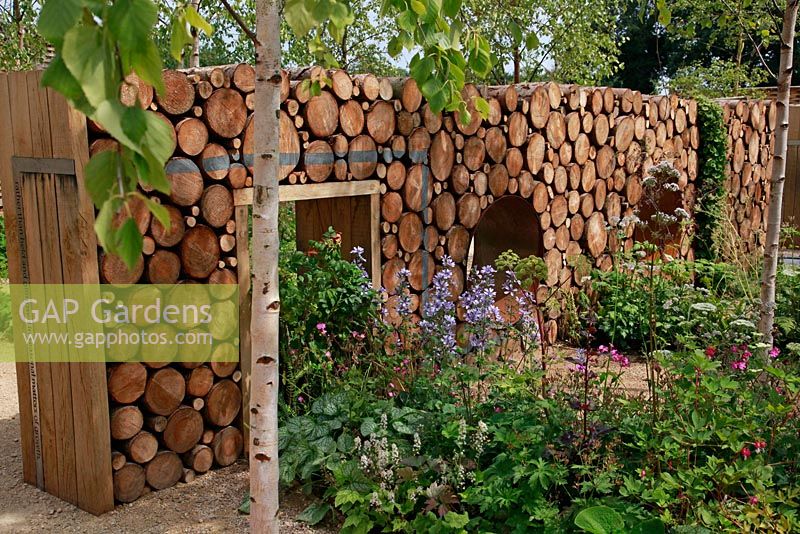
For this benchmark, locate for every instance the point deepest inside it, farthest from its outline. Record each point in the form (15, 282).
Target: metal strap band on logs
(21, 166)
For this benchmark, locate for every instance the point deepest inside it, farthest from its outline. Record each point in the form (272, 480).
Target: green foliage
(446, 49)
(710, 206)
(529, 271)
(98, 44)
(5, 313)
(362, 47)
(685, 314)
(532, 34)
(21, 46)
(413, 438)
(787, 311)
(329, 315)
(3, 250)
(720, 78)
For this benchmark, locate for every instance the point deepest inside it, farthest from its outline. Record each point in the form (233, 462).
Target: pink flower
(753, 500)
(760, 446)
(711, 352)
(300, 399)
(745, 452)
(642, 474)
(746, 355)
(774, 352)
(322, 327)
(602, 348)
(359, 335)
(740, 365)
(391, 394)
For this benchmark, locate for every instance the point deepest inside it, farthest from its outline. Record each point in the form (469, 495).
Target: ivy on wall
(710, 205)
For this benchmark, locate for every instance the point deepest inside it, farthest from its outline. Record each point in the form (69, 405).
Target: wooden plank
(34, 225)
(88, 387)
(39, 374)
(375, 239)
(242, 217)
(289, 193)
(52, 262)
(54, 419)
(15, 274)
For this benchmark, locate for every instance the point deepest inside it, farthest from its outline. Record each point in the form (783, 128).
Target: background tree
(567, 41)
(362, 47)
(21, 46)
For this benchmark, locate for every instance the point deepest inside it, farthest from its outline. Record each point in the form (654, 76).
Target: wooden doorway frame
(242, 200)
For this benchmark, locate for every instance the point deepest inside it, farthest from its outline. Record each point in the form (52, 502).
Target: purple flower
(322, 327)
(438, 322)
(480, 311)
(774, 352)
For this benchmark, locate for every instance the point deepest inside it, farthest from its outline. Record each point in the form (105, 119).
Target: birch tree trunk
(771, 249)
(266, 303)
(194, 59)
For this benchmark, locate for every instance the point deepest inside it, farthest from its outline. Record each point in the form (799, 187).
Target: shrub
(464, 433)
(329, 318)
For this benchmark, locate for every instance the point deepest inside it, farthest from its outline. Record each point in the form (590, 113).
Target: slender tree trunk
(516, 64)
(739, 52)
(266, 302)
(771, 249)
(194, 60)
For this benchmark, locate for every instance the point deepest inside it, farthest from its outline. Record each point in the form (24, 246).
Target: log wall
(575, 156)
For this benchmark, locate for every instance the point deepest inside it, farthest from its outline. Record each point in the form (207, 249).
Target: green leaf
(421, 69)
(516, 32)
(395, 46)
(159, 211)
(368, 427)
(134, 123)
(131, 22)
(146, 62)
(599, 520)
(418, 7)
(196, 20)
(57, 17)
(314, 513)
(450, 8)
(482, 106)
(531, 41)
(101, 175)
(298, 17)
(90, 58)
(244, 508)
(407, 21)
(129, 243)
(180, 37)
(158, 137)
(651, 526)
(102, 224)
(341, 15)
(61, 79)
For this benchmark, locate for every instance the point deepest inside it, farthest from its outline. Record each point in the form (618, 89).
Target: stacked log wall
(576, 155)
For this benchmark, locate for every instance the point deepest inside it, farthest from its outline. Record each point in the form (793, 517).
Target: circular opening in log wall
(510, 223)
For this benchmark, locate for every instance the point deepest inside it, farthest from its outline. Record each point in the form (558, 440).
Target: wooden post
(64, 418)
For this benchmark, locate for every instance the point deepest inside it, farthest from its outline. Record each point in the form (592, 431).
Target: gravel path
(209, 504)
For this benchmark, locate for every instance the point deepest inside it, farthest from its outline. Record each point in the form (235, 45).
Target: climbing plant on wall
(710, 206)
